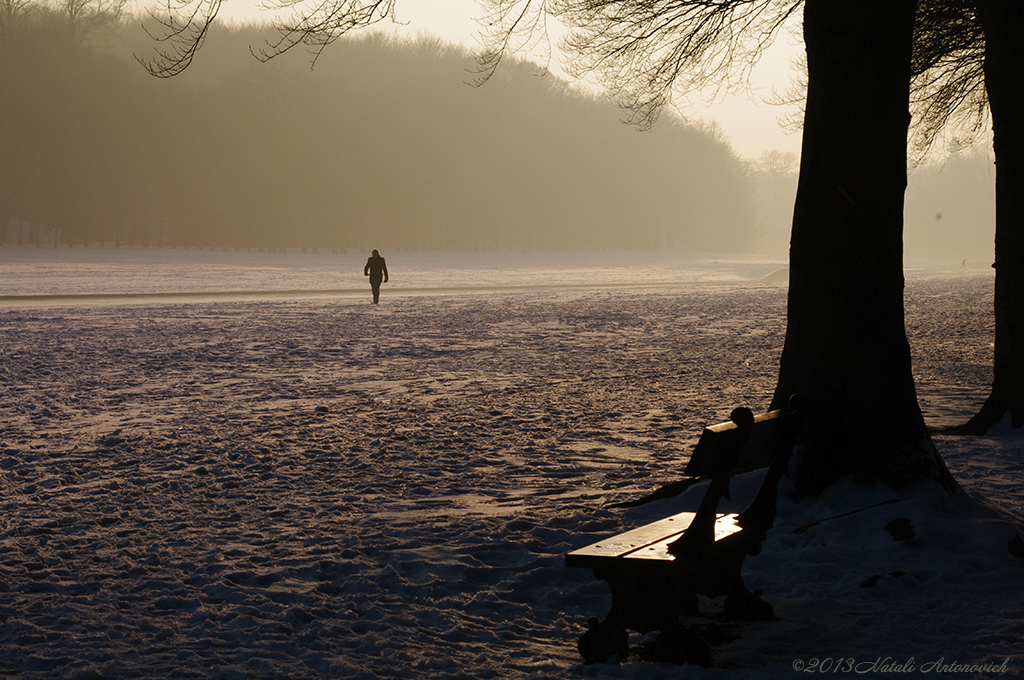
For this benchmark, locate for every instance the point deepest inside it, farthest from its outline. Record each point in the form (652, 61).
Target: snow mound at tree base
(1004, 428)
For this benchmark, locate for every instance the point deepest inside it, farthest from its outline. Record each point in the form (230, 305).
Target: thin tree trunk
(846, 349)
(1003, 22)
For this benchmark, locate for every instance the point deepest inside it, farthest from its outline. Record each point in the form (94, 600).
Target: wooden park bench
(657, 571)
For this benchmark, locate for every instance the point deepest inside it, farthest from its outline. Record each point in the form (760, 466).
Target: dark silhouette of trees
(1003, 24)
(846, 349)
(966, 54)
(954, 69)
(948, 86)
(643, 52)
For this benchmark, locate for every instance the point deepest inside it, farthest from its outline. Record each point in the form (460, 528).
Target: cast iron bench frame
(656, 571)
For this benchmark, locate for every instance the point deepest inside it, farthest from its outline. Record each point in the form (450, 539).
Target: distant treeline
(383, 143)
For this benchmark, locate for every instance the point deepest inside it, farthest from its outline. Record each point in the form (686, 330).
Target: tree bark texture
(846, 351)
(1003, 23)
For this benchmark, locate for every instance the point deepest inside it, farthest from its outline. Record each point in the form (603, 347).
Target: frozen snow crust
(317, 487)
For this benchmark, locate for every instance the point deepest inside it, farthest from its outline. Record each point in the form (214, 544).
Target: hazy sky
(751, 126)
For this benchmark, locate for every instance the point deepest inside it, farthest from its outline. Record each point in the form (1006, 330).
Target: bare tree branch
(948, 91)
(319, 24)
(643, 51)
(513, 26)
(185, 25)
(646, 51)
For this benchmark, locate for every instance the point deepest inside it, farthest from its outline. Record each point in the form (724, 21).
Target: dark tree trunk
(1003, 23)
(846, 349)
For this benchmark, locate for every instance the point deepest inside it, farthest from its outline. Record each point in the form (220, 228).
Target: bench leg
(679, 644)
(744, 605)
(740, 603)
(604, 639)
(647, 601)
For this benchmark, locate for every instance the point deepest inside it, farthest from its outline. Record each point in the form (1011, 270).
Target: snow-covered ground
(286, 485)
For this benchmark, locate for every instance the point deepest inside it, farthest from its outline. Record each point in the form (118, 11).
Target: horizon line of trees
(382, 144)
(96, 153)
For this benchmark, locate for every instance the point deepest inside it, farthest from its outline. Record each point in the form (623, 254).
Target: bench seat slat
(649, 542)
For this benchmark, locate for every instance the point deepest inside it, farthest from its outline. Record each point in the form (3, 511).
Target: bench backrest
(736, 446)
(724, 449)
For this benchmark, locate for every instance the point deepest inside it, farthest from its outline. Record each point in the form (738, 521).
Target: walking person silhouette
(377, 270)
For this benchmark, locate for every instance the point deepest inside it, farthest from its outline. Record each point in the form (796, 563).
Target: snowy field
(205, 473)
(159, 272)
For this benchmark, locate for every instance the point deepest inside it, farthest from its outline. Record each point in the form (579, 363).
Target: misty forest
(385, 143)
